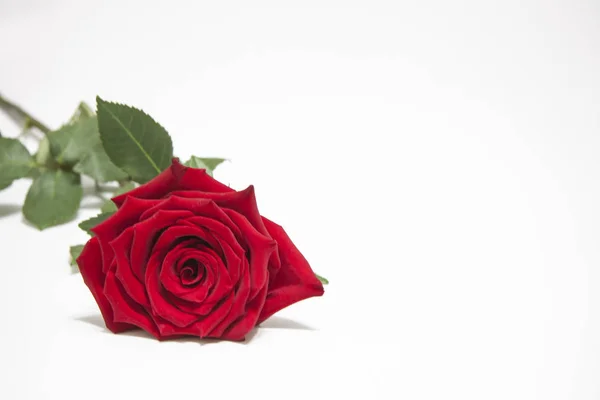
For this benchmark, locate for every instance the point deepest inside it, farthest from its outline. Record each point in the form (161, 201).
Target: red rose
(186, 255)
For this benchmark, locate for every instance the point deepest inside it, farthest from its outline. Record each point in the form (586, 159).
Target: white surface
(437, 161)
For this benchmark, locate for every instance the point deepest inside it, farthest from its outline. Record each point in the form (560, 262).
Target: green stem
(21, 115)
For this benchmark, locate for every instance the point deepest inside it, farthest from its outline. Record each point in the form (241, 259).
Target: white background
(437, 161)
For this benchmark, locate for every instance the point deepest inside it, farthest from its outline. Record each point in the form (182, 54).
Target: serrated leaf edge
(100, 101)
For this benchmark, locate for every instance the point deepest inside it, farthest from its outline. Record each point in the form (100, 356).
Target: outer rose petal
(90, 265)
(176, 177)
(239, 303)
(198, 206)
(244, 202)
(260, 248)
(125, 217)
(133, 286)
(294, 281)
(202, 326)
(125, 309)
(239, 329)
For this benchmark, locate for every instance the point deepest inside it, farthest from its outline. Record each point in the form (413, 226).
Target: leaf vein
(132, 137)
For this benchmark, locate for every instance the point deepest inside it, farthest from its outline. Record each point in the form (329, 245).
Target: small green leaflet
(78, 145)
(75, 251)
(124, 189)
(83, 111)
(109, 206)
(133, 141)
(53, 198)
(15, 161)
(204, 163)
(72, 142)
(323, 280)
(97, 165)
(88, 224)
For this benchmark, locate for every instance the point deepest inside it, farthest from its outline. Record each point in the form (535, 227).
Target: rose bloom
(186, 255)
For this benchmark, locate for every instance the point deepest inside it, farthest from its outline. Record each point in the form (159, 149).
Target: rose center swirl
(192, 272)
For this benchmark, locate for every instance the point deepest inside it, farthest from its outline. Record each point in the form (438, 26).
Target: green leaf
(72, 142)
(133, 140)
(124, 189)
(75, 251)
(323, 280)
(83, 111)
(15, 161)
(53, 198)
(97, 165)
(78, 145)
(206, 163)
(212, 163)
(88, 224)
(5, 183)
(109, 206)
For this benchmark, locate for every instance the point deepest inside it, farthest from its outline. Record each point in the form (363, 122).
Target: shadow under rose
(95, 320)
(273, 323)
(276, 322)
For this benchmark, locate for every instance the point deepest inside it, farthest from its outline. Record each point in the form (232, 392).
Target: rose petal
(125, 309)
(222, 286)
(176, 177)
(239, 302)
(133, 286)
(162, 305)
(174, 204)
(295, 280)
(244, 202)
(223, 232)
(229, 247)
(171, 236)
(169, 276)
(90, 266)
(195, 300)
(159, 297)
(112, 227)
(260, 248)
(201, 327)
(244, 324)
(145, 235)
(200, 207)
